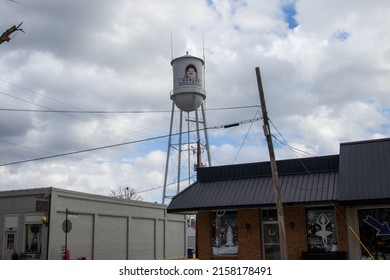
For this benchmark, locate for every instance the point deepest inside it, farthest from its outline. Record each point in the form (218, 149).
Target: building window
(10, 241)
(270, 234)
(321, 229)
(224, 236)
(33, 239)
(374, 229)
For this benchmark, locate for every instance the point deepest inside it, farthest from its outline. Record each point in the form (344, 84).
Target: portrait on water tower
(191, 72)
(190, 76)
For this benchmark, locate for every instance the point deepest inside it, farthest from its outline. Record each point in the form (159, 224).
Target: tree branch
(6, 36)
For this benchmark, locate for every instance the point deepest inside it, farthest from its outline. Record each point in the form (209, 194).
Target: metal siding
(365, 170)
(287, 187)
(253, 193)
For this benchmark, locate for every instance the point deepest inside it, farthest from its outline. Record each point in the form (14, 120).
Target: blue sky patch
(341, 35)
(289, 15)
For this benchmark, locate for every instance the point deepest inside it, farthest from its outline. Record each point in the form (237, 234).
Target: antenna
(204, 59)
(171, 46)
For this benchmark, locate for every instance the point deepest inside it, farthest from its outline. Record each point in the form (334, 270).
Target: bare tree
(126, 193)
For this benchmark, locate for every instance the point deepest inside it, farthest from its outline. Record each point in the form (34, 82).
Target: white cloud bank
(325, 81)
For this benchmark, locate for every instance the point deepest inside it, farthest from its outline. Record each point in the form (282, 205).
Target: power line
(159, 187)
(31, 148)
(61, 102)
(80, 110)
(84, 151)
(85, 111)
(67, 113)
(114, 145)
(246, 136)
(319, 188)
(107, 112)
(293, 149)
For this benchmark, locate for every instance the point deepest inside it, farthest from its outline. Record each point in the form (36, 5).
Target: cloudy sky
(325, 67)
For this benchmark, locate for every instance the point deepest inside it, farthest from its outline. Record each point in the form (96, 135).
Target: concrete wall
(112, 229)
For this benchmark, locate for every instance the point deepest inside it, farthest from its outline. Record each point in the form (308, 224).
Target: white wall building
(101, 227)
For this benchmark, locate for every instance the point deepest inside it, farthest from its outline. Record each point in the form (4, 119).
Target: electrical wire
(47, 109)
(35, 149)
(114, 145)
(322, 189)
(246, 136)
(100, 113)
(293, 149)
(106, 112)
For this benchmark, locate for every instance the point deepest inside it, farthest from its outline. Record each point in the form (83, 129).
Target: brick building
(332, 205)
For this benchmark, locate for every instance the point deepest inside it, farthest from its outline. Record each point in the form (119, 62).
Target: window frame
(224, 224)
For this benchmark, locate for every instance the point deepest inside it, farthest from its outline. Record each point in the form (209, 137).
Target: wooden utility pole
(275, 176)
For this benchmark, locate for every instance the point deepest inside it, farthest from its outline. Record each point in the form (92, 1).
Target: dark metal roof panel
(259, 169)
(255, 192)
(365, 170)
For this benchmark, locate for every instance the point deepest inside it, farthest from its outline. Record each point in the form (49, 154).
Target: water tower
(187, 96)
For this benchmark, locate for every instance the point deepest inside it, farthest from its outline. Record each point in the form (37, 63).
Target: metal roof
(250, 185)
(365, 170)
(361, 174)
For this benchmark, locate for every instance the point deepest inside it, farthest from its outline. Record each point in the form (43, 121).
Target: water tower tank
(188, 83)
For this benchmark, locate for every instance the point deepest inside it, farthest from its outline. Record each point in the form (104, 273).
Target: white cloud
(325, 81)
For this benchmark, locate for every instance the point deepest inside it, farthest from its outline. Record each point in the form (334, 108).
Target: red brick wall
(249, 240)
(295, 225)
(203, 235)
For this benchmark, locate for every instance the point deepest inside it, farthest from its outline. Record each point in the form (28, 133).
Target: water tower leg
(168, 155)
(180, 149)
(206, 135)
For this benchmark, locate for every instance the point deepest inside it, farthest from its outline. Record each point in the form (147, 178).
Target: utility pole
(275, 176)
(66, 232)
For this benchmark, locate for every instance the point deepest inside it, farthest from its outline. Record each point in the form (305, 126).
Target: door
(9, 244)
(271, 241)
(270, 234)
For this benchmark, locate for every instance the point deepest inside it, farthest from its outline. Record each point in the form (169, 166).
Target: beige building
(33, 226)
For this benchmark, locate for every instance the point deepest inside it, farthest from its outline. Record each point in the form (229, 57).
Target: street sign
(67, 226)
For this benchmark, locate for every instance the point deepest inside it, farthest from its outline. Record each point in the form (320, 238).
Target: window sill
(225, 257)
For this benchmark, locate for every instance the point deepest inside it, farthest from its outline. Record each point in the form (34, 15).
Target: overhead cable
(113, 145)
(108, 112)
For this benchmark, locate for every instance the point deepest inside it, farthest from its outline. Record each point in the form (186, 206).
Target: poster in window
(374, 230)
(224, 239)
(321, 229)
